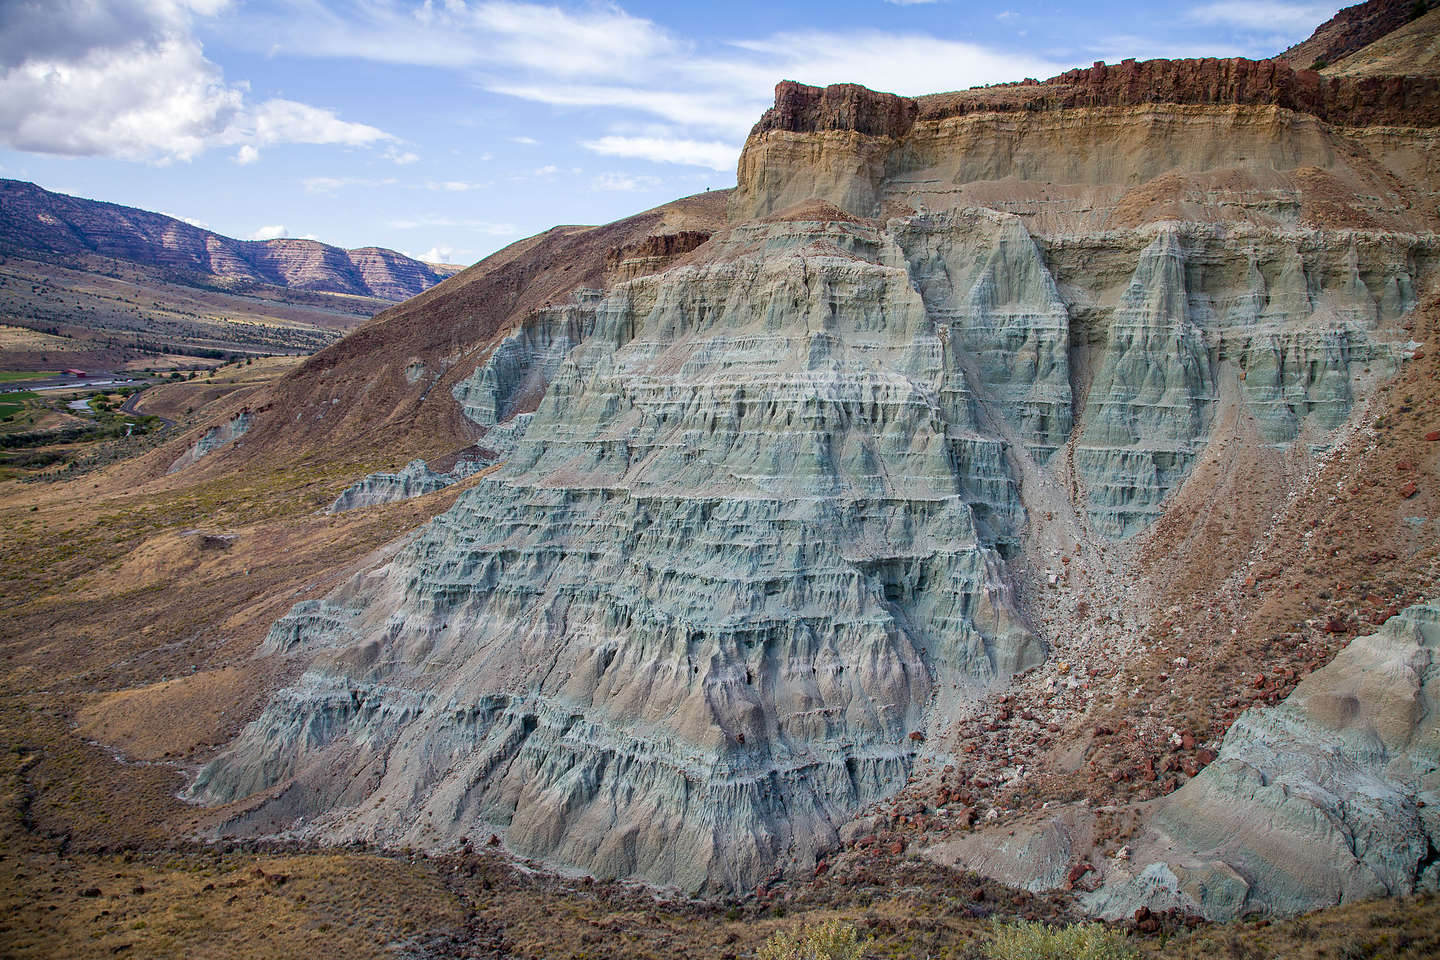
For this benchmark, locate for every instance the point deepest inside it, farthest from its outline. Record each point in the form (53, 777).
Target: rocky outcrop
(849, 107)
(415, 479)
(1208, 81)
(36, 221)
(1334, 795)
(213, 439)
(1208, 140)
(515, 376)
(650, 255)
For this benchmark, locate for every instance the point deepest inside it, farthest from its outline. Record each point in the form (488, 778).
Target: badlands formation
(831, 527)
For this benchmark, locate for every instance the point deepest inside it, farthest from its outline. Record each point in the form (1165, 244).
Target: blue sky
(449, 128)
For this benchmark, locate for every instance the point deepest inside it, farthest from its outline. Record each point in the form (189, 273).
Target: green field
(13, 376)
(13, 403)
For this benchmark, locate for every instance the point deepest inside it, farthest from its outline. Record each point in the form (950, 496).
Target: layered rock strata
(1186, 137)
(753, 535)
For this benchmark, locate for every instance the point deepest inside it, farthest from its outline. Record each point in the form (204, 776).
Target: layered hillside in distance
(112, 286)
(36, 221)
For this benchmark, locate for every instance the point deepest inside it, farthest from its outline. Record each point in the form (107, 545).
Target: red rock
(1205, 757)
(1433, 436)
(917, 736)
(896, 848)
(821, 867)
(1118, 776)
(1076, 872)
(1404, 465)
(1409, 490)
(1259, 681)
(1335, 624)
(1187, 741)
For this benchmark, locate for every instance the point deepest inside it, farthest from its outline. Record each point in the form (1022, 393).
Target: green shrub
(1078, 941)
(830, 940)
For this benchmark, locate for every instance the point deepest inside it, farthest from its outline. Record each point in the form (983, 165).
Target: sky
(447, 129)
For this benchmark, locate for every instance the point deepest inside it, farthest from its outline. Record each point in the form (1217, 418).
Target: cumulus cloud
(128, 78)
(269, 233)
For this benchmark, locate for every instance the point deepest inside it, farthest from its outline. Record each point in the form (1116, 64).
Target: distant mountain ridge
(34, 220)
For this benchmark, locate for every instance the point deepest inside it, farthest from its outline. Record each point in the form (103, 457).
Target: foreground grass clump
(829, 940)
(1078, 941)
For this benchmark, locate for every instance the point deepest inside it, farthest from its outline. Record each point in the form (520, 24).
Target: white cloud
(454, 186)
(712, 153)
(400, 158)
(438, 254)
(269, 233)
(128, 78)
(287, 121)
(246, 155)
(1263, 14)
(526, 141)
(332, 185)
(201, 224)
(626, 183)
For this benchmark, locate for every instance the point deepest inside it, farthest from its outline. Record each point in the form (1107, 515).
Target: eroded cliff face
(758, 529)
(1111, 146)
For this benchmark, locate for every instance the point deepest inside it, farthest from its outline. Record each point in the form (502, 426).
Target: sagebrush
(829, 940)
(1078, 941)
